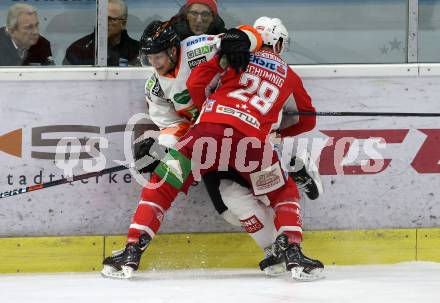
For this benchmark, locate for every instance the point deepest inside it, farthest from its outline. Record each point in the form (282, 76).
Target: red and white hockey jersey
(169, 104)
(253, 102)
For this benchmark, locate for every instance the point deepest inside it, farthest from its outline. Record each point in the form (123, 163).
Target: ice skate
(307, 177)
(123, 263)
(302, 268)
(271, 265)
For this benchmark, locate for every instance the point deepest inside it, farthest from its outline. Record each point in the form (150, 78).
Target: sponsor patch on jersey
(148, 86)
(269, 64)
(150, 83)
(196, 40)
(182, 97)
(245, 117)
(209, 105)
(267, 180)
(206, 49)
(193, 63)
(157, 90)
(154, 87)
(281, 70)
(252, 224)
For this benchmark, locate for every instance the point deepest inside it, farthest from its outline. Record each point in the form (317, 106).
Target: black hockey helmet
(158, 36)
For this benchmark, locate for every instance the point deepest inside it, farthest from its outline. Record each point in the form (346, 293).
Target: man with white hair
(20, 40)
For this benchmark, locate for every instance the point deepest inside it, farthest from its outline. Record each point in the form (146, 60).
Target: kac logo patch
(209, 105)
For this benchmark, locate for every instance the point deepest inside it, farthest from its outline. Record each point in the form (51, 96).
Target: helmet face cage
(157, 37)
(287, 44)
(272, 30)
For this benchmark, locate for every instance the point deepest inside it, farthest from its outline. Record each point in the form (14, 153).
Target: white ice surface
(400, 283)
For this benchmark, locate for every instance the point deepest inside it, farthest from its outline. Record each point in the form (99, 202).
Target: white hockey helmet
(271, 31)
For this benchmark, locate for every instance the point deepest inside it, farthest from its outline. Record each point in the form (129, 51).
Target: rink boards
(400, 197)
(211, 250)
(96, 104)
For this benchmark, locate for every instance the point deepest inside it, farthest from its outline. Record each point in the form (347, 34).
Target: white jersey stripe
(144, 228)
(284, 203)
(290, 228)
(142, 202)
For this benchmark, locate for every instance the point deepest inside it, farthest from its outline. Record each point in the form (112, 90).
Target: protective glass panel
(42, 39)
(333, 31)
(429, 31)
(322, 31)
(141, 13)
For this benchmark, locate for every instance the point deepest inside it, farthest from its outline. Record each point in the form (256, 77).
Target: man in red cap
(212, 4)
(198, 17)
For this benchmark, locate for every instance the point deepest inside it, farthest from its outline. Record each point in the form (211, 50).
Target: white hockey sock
(255, 217)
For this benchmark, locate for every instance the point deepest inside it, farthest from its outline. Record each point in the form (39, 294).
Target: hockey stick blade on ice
(22, 190)
(364, 114)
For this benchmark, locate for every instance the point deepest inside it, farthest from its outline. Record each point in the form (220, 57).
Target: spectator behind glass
(121, 49)
(198, 17)
(20, 41)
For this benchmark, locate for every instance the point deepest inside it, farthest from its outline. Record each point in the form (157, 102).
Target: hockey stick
(364, 114)
(22, 190)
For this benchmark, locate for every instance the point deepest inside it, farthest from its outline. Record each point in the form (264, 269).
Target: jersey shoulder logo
(153, 86)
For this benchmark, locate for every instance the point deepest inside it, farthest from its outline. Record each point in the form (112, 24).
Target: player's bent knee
(229, 217)
(237, 198)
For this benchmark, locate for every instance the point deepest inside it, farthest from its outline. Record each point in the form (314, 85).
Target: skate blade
(111, 272)
(275, 270)
(298, 274)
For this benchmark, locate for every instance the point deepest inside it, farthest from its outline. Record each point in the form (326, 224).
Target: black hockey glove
(148, 154)
(235, 46)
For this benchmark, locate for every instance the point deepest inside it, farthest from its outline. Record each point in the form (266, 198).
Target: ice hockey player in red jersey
(170, 108)
(234, 125)
(253, 103)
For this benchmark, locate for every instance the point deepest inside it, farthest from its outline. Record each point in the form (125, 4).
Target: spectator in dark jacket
(20, 41)
(121, 49)
(198, 17)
